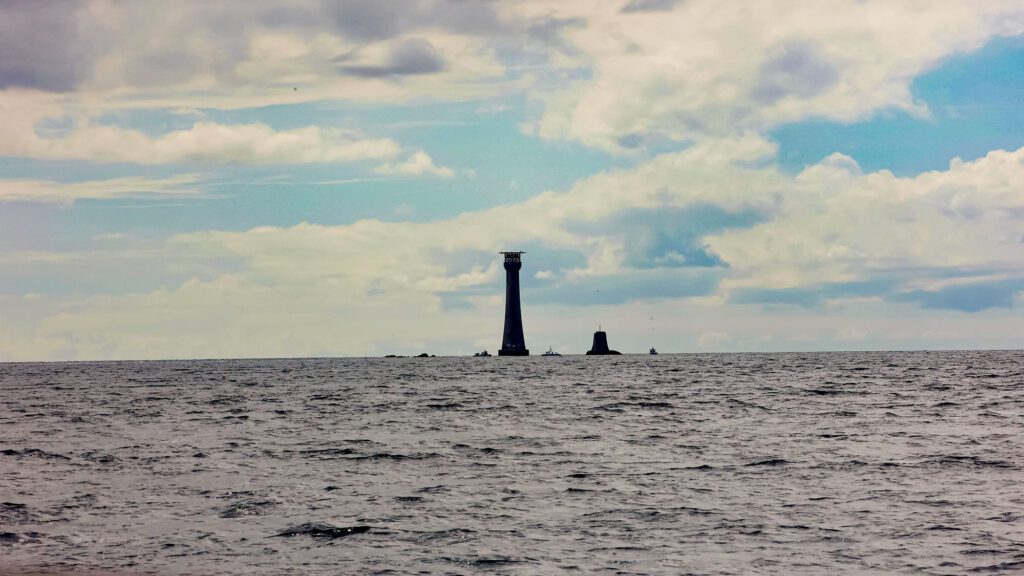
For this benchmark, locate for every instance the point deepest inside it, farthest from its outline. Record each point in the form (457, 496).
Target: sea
(797, 463)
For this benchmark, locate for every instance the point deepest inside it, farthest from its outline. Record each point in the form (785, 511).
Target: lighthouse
(513, 343)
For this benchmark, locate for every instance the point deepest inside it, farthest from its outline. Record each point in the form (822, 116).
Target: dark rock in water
(318, 530)
(425, 355)
(600, 347)
(394, 356)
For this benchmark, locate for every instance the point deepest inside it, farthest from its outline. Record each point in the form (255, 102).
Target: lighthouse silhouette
(513, 343)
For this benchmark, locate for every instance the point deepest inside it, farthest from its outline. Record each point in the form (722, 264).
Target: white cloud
(350, 289)
(418, 164)
(237, 54)
(204, 142)
(836, 224)
(68, 192)
(699, 70)
(79, 137)
(237, 317)
(610, 78)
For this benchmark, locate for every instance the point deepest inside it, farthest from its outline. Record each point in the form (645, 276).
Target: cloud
(808, 255)
(814, 295)
(110, 236)
(690, 70)
(493, 108)
(431, 259)
(714, 222)
(69, 192)
(693, 223)
(204, 142)
(410, 57)
(418, 164)
(628, 286)
(606, 74)
(369, 20)
(796, 69)
(973, 297)
(670, 237)
(649, 6)
(234, 54)
(57, 60)
(839, 225)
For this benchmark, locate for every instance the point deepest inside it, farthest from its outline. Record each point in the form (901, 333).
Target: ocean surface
(824, 463)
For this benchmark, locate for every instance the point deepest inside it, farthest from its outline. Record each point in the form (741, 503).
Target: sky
(335, 178)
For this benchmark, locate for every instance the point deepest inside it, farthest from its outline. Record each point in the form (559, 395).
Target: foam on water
(839, 463)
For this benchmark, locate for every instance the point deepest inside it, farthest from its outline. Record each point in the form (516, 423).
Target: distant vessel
(480, 354)
(550, 352)
(653, 352)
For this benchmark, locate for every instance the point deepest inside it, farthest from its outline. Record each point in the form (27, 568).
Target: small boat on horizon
(550, 352)
(653, 352)
(480, 354)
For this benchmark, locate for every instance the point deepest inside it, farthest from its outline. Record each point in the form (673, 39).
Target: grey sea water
(831, 463)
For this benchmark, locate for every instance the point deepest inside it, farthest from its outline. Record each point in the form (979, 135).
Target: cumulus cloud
(715, 222)
(409, 57)
(644, 68)
(692, 70)
(824, 233)
(242, 54)
(839, 225)
(371, 257)
(922, 243)
(615, 75)
(418, 164)
(36, 127)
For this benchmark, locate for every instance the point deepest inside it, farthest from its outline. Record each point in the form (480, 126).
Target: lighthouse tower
(513, 343)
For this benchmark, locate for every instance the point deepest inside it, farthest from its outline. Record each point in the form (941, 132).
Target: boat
(653, 352)
(480, 354)
(550, 352)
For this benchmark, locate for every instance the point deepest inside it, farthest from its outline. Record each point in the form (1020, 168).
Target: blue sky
(234, 180)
